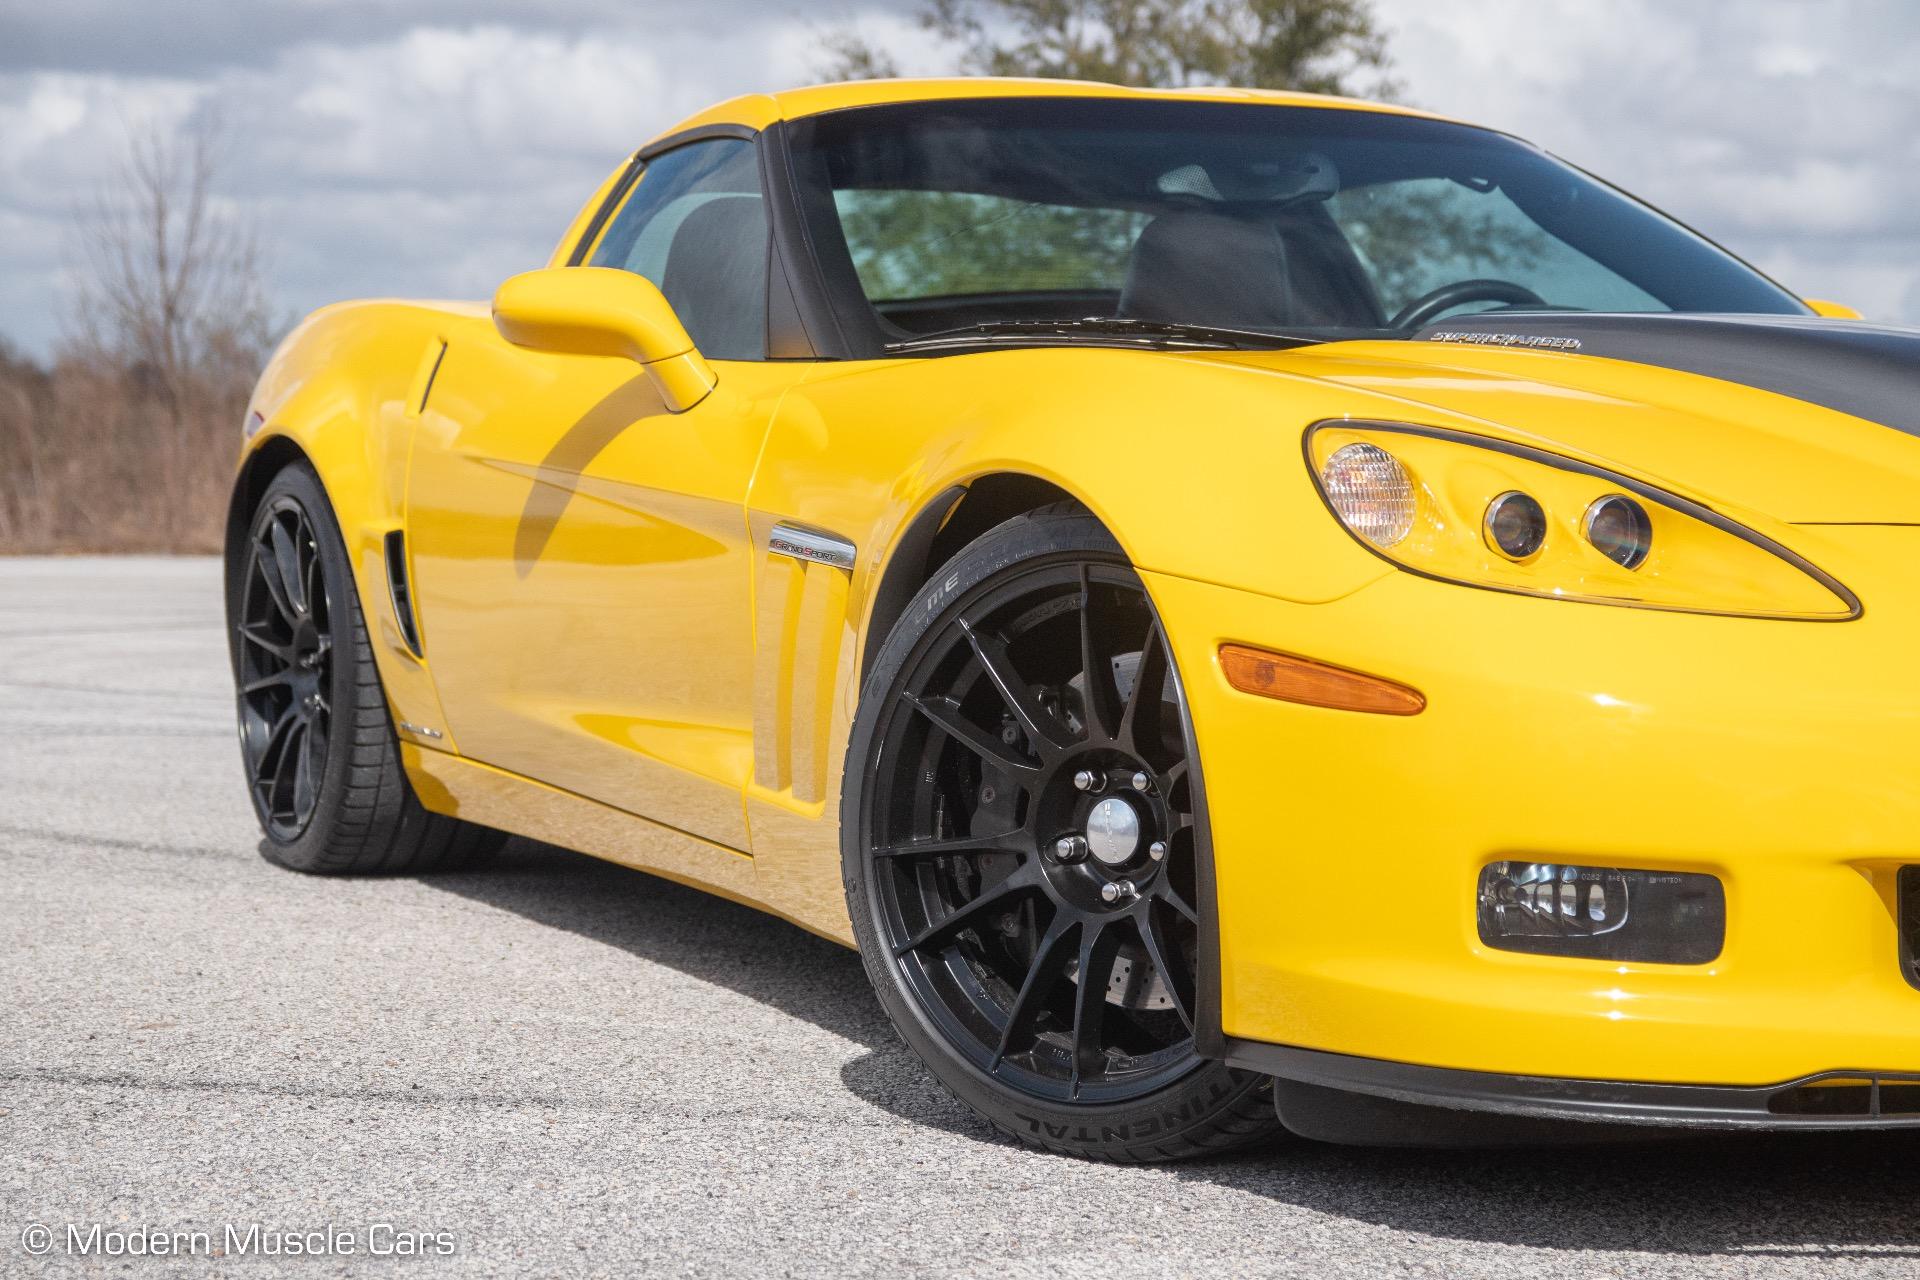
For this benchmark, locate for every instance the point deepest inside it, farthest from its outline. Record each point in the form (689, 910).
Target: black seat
(715, 276)
(1261, 271)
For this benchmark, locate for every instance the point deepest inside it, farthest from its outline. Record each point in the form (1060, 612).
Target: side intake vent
(402, 591)
(1909, 895)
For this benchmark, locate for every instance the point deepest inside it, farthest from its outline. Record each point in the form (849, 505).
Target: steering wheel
(1436, 302)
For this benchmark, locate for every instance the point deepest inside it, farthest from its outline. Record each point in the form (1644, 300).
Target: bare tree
(170, 276)
(167, 327)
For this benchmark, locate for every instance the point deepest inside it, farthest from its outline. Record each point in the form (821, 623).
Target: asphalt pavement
(561, 1067)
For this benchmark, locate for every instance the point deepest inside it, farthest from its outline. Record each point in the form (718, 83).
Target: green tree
(1320, 46)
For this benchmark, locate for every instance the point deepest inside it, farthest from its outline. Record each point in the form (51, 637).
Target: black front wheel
(322, 763)
(1021, 842)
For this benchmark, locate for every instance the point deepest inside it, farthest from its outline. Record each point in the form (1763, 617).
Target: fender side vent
(402, 592)
(1908, 895)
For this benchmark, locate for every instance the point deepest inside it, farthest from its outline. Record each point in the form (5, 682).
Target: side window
(695, 224)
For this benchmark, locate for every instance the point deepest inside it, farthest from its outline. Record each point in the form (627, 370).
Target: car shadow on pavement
(1764, 1197)
(700, 934)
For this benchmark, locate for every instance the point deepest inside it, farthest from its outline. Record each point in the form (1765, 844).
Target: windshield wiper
(1144, 332)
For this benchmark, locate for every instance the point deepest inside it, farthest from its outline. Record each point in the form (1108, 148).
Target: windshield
(1304, 221)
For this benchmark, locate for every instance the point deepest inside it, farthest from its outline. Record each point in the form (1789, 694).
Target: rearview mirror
(1831, 310)
(600, 311)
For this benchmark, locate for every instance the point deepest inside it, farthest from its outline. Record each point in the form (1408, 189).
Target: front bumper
(1781, 757)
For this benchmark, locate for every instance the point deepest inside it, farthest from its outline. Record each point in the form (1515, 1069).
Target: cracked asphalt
(571, 1068)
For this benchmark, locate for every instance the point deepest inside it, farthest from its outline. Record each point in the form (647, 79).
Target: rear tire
(322, 762)
(1022, 712)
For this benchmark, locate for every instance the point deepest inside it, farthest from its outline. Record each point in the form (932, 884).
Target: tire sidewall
(1114, 1130)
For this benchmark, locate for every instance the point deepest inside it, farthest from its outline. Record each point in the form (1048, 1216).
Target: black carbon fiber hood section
(1870, 371)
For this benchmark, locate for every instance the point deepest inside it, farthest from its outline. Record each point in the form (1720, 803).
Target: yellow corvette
(893, 500)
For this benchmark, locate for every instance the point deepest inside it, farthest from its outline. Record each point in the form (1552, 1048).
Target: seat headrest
(718, 257)
(1247, 271)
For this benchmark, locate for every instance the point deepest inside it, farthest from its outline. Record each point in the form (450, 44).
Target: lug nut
(1114, 890)
(1157, 851)
(1089, 780)
(1141, 782)
(1070, 848)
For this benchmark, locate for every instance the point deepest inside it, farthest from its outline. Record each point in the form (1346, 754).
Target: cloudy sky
(432, 147)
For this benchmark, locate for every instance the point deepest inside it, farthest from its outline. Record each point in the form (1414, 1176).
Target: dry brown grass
(96, 454)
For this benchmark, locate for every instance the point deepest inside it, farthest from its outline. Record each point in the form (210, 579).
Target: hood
(1805, 419)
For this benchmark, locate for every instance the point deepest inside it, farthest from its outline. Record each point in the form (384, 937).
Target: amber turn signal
(1290, 679)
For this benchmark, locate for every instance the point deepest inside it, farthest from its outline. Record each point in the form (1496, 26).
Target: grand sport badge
(1540, 341)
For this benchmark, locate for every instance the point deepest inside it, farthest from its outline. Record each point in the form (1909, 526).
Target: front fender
(344, 393)
(1195, 466)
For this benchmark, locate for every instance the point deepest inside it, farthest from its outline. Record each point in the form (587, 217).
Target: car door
(580, 553)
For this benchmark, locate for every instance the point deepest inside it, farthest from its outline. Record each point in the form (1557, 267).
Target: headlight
(1489, 513)
(1620, 529)
(1370, 492)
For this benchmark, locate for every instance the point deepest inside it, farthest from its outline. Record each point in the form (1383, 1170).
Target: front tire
(322, 762)
(1020, 811)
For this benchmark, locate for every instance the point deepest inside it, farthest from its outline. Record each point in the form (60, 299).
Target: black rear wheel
(1022, 845)
(322, 763)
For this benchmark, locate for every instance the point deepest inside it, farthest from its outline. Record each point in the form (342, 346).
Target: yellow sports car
(1249, 610)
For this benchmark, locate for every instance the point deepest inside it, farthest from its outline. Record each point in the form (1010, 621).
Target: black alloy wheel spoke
(276, 747)
(1162, 953)
(1049, 963)
(1021, 698)
(303, 770)
(296, 751)
(316, 743)
(1149, 678)
(272, 680)
(266, 567)
(271, 780)
(257, 636)
(1099, 947)
(311, 587)
(1018, 841)
(1171, 896)
(998, 897)
(286, 560)
(1056, 952)
(1171, 779)
(946, 716)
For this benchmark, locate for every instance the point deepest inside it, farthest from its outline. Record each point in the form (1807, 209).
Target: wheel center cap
(1113, 831)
